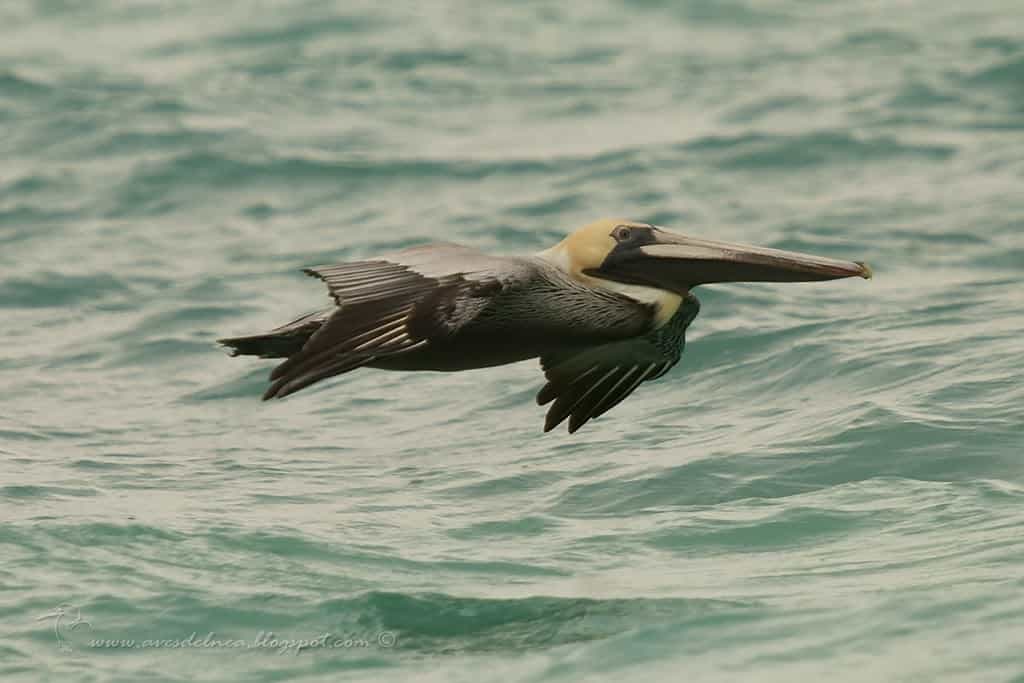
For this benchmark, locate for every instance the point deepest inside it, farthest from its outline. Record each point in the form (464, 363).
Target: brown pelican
(605, 309)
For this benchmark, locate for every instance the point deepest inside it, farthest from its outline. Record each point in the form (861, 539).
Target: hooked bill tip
(865, 270)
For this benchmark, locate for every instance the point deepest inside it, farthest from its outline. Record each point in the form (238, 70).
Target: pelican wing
(587, 383)
(391, 305)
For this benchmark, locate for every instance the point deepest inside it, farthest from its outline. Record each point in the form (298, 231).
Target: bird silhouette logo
(65, 618)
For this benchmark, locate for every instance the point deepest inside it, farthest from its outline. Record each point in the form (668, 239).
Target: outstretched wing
(588, 383)
(390, 305)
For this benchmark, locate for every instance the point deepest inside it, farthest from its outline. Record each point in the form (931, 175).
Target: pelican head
(617, 253)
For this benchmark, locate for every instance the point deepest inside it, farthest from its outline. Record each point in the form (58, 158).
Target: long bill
(676, 262)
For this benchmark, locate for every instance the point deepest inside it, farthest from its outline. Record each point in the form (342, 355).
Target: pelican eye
(622, 233)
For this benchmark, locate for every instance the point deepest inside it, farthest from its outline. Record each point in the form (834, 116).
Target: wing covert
(388, 306)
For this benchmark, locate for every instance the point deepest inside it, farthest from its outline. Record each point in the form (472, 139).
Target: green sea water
(830, 484)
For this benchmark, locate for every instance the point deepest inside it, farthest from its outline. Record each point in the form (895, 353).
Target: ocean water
(831, 483)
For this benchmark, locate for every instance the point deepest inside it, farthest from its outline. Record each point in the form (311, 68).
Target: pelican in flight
(605, 310)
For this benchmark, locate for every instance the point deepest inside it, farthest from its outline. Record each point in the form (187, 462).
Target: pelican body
(605, 310)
